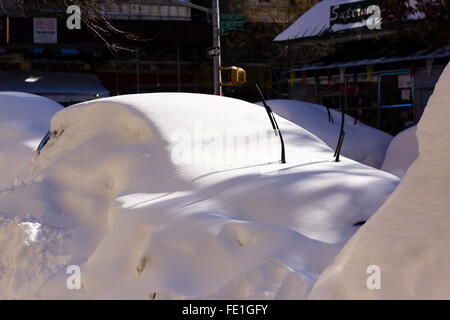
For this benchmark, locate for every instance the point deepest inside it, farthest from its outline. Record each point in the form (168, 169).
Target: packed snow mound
(362, 143)
(409, 237)
(402, 152)
(24, 120)
(180, 196)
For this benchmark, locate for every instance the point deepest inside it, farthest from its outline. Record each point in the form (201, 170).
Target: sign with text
(45, 30)
(230, 22)
(212, 52)
(353, 12)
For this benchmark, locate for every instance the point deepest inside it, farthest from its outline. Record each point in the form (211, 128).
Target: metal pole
(137, 70)
(216, 43)
(379, 102)
(179, 70)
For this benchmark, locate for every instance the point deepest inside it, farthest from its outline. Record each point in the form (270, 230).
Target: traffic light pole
(216, 43)
(215, 12)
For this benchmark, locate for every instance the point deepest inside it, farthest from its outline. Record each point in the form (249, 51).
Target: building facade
(344, 58)
(168, 54)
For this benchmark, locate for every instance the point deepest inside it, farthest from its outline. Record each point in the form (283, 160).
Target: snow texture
(408, 238)
(402, 152)
(24, 120)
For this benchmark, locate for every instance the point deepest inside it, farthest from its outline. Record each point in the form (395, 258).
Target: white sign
(404, 81)
(45, 30)
(212, 52)
(406, 94)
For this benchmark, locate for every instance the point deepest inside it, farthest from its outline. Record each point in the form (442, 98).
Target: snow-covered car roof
(24, 119)
(26, 111)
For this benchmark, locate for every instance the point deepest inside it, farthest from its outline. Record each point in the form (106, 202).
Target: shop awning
(418, 55)
(63, 87)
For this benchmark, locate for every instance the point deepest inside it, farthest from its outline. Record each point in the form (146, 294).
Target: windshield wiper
(274, 123)
(337, 152)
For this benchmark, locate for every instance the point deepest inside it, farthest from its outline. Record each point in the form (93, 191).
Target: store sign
(45, 30)
(353, 12)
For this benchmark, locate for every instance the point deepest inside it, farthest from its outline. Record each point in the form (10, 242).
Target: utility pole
(216, 43)
(137, 71)
(215, 12)
(178, 70)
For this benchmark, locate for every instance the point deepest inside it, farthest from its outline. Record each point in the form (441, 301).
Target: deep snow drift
(362, 143)
(182, 196)
(24, 119)
(409, 237)
(401, 153)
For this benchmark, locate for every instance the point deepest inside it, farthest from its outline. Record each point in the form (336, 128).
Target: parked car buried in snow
(184, 195)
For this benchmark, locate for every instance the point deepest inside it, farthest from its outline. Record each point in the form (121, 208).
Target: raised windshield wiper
(274, 123)
(337, 152)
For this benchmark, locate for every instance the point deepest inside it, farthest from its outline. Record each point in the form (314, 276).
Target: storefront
(380, 84)
(168, 55)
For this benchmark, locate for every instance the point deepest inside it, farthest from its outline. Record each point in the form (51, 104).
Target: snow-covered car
(24, 118)
(177, 195)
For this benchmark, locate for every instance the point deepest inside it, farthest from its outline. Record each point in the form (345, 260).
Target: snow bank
(24, 120)
(362, 143)
(401, 153)
(172, 194)
(408, 238)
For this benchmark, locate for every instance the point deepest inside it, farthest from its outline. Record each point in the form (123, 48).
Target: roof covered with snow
(24, 120)
(316, 21)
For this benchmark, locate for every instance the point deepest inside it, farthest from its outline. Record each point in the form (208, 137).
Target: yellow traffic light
(233, 76)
